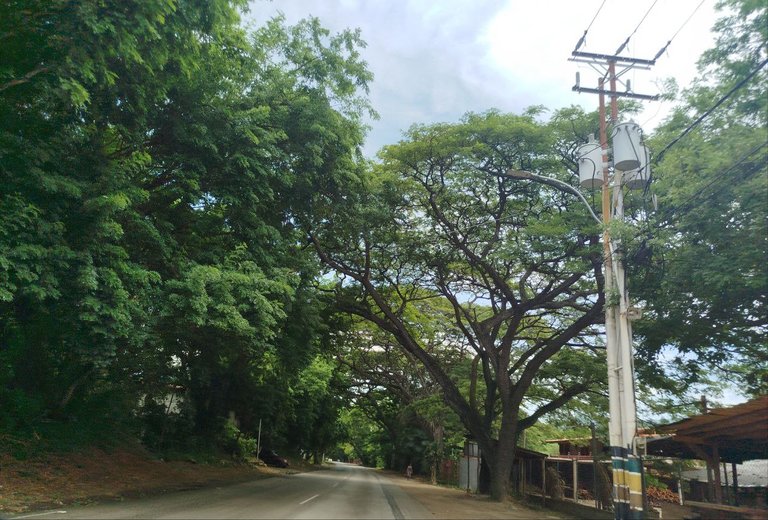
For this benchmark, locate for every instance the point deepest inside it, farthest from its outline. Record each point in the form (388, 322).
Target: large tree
(518, 265)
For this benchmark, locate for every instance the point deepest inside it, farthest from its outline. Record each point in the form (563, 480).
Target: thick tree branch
(25, 78)
(556, 403)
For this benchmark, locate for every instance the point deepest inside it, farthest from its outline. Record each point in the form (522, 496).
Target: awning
(739, 432)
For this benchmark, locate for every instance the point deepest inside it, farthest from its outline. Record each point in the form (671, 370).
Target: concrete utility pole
(627, 469)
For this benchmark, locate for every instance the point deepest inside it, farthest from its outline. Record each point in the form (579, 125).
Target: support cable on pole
(669, 42)
(584, 36)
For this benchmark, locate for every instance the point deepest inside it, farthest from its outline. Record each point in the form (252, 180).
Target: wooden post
(727, 487)
(575, 480)
(523, 478)
(716, 468)
(710, 481)
(593, 449)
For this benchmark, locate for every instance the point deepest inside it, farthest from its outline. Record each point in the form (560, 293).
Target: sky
(435, 60)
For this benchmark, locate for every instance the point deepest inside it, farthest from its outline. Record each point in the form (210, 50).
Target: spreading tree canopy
(518, 267)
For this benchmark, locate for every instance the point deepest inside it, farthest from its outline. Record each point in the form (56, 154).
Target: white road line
(336, 484)
(307, 500)
(41, 514)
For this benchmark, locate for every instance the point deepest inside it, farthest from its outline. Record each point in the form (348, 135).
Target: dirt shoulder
(447, 503)
(94, 475)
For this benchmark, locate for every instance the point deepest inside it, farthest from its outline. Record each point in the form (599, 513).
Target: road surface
(344, 491)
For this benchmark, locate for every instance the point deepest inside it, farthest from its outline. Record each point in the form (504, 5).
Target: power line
(664, 49)
(595, 17)
(623, 45)
(687, 19)
(584, 36)
(686, 206)
(701, 118)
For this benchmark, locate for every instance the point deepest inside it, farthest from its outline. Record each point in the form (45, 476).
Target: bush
(238, 445)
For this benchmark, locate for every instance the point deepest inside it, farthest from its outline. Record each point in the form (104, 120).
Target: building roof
(740, 433)
(522, 453)
(575, 440)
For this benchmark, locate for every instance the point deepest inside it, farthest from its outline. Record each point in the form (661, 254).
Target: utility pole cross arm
(632, 95)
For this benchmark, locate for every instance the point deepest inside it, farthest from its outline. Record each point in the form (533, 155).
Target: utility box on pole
(469, 467)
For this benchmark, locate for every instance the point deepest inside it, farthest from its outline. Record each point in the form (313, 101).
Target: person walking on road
(409, 472)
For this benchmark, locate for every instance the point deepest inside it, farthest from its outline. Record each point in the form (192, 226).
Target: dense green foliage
(193, 250)
(153, 157)
(401, 405)
(700, 265)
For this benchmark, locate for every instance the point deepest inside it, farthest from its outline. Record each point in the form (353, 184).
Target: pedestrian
(409, 471)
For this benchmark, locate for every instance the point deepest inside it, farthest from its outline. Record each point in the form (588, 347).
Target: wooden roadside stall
(722, 435)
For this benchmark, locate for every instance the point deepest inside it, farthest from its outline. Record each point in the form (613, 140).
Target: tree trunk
(504, 456)
(437, 458)
(501, 471)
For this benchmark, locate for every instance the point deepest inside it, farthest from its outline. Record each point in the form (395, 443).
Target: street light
(557, 183)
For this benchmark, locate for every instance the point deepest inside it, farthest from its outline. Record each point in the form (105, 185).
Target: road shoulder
(445, 503)
(96, 475)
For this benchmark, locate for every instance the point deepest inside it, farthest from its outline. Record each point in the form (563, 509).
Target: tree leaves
(705, 281)
(153, 160)
(440, 221)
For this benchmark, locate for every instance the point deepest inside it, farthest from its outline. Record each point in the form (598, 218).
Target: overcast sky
(434, 60)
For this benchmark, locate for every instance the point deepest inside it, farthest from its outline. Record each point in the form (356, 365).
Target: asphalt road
(345, 491)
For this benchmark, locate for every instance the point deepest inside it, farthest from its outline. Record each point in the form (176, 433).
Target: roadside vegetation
(196, 256)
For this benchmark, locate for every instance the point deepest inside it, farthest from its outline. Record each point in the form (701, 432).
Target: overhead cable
(664, 49)
(701, 118)
(686, 205)
(584, 36)
(623, 45)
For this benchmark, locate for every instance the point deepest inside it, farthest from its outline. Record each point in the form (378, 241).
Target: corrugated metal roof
(740, 433)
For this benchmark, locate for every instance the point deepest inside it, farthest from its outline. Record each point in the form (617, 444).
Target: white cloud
(434, 61)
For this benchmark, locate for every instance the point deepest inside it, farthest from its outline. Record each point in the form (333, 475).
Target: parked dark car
(271, 458)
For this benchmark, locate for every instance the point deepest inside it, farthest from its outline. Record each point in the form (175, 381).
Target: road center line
(307, 500)
(42, 514)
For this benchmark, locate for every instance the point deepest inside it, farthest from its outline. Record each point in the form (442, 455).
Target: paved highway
(345, 491)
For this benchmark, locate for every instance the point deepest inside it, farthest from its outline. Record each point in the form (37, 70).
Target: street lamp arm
(555, 183)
